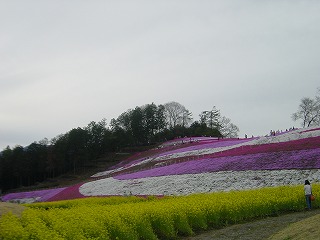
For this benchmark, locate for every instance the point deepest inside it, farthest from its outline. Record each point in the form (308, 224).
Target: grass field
(305, 229)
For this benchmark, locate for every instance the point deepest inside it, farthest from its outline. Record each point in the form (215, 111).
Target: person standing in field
(307, 193)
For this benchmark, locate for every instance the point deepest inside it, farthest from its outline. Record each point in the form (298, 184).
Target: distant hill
(201, 164)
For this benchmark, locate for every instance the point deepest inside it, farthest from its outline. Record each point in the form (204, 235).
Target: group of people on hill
(274, 133)
(246, 136)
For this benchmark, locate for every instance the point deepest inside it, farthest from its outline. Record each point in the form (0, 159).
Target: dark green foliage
(73, 151)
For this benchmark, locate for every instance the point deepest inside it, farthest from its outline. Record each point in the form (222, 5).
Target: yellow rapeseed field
(149, 218)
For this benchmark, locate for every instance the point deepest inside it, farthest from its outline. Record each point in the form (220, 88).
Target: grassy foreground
(305, 229)
(151, 218)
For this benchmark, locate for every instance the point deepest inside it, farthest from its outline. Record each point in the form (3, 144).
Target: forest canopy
(72, 151)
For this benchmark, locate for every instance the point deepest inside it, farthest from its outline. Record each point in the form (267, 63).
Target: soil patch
(258, 230)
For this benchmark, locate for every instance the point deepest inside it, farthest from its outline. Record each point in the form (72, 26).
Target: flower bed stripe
(186, 184)
(32, 196)
(71, 192)
(302, 159)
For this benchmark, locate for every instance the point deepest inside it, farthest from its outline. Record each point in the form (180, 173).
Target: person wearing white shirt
(307, 193)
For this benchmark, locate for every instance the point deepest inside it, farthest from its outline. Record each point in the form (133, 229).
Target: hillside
(201, 164)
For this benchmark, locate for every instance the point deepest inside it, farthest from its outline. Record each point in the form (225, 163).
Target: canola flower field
(150, 218)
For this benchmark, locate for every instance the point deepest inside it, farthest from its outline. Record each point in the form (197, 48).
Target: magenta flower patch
(39, 196)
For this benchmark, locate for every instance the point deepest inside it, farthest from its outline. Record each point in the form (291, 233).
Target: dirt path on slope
(15, 208)
(256, 230)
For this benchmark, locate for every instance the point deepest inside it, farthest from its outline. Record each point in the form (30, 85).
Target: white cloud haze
(66, 63)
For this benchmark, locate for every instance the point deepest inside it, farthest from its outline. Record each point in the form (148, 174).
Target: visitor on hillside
(307, 193)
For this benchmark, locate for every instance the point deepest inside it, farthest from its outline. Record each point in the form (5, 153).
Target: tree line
(80, 147)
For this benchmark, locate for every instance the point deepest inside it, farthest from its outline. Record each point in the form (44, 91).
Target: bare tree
(227, 128)
(214, 120)
(186, 118)
(317, 120)
(177, 114)
(308, 112)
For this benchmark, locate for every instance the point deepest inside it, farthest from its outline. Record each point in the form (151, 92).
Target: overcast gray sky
(65, 63)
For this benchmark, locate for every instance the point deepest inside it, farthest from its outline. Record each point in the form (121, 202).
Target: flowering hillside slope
(217, 165)
(205, 164)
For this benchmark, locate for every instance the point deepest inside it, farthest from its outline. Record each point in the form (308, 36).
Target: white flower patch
(198, 183)
(287, 136)
(25, 200)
